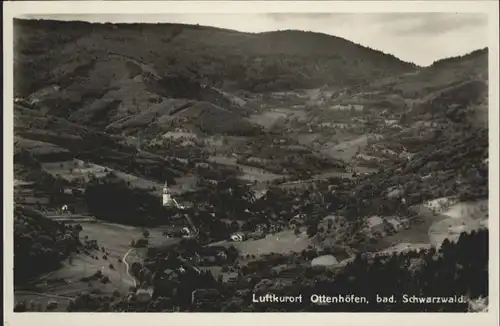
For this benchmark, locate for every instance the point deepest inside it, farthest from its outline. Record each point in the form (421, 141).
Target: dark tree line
(40, 244)
(456, 269)
(113, 200)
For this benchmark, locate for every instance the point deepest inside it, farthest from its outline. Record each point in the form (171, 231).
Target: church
(167, 196)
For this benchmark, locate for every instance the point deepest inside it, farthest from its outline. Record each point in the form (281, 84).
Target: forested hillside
(223, 58)
(40, 244)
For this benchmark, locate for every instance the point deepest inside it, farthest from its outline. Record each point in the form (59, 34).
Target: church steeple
(167, 198)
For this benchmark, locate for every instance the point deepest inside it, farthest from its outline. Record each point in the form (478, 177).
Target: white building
(237, 237)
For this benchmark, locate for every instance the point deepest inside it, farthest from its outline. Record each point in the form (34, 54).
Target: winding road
(127, 267)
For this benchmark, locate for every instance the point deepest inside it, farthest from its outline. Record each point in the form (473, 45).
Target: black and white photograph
(252, 162)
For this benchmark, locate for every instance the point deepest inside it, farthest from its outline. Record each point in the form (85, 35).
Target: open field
(417, 234)
(39, 301)
(117, 237)
(39, 148)
(403, 247)
(438, 226)
(463, 217)
(282, 242)
(346, 150)
(475, 210)
(267, 119)
(77, 169)
(249, 173)
(451, 228)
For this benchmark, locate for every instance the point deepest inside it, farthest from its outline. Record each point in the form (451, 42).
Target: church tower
(167, 197)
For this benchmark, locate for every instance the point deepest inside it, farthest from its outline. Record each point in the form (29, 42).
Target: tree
(20, 306)
(312, 229)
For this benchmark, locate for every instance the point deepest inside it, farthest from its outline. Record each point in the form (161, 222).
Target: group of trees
(40, 244)
(113, 200)
(455, 269)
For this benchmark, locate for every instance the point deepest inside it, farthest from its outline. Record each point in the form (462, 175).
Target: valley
(181, 166)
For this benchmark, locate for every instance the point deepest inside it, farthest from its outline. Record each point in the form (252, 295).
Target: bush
(20, 306)
(141, 243)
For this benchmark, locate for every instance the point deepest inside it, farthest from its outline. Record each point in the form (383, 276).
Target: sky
(421, 38)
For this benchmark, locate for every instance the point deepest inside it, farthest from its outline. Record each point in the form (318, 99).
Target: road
(127, 268)
(72, 218)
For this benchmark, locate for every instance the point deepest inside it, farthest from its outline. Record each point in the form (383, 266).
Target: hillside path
(127, 268)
